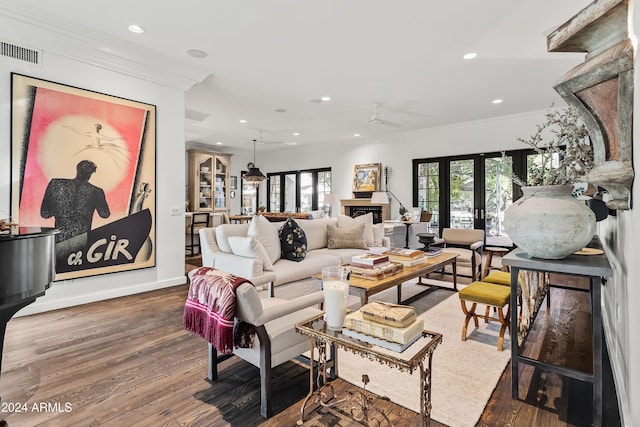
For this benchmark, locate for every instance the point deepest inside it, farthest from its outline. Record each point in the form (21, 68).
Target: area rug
(465, 373)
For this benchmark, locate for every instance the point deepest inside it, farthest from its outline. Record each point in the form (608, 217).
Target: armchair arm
(477, 245)
(288, 307)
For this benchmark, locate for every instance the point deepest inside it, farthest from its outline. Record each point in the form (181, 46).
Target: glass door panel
(498, 191)
(461, 193)
(429, 192)
(324, 188)
(289, 193)
(306, 192)
(274, 193)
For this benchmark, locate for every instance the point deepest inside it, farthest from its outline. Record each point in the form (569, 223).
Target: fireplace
(357, 207)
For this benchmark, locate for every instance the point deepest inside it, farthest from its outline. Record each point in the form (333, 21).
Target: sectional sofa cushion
(293, 241)
(267, 234)
(316, 231)
(345, 221)
(250, 247)
(352, 237)
(223, 234)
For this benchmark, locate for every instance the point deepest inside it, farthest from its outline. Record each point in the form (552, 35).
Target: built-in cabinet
(208, 187)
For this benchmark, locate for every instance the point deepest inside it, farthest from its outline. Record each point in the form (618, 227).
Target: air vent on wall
(10, 50)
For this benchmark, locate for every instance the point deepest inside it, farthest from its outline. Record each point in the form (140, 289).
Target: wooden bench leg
(468, 315)
(504, 320)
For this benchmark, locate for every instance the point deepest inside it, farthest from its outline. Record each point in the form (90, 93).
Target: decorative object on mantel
(254, 176)
(601, 89)
(549, 223)
(366, 180)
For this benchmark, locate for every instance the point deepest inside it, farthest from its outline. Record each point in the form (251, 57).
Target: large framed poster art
(84, 162)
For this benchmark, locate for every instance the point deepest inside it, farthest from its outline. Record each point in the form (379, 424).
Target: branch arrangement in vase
(565, 148)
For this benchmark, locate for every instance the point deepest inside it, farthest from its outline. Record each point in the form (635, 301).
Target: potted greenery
(548, 222)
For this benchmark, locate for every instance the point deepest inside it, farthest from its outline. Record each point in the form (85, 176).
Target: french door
(467, 192)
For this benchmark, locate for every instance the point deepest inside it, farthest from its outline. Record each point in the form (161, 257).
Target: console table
(596, 267)
(416, 357)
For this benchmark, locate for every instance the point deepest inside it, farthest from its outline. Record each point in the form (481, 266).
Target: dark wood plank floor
(127, 361)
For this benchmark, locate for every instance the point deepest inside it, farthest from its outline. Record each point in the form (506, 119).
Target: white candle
(335, 305)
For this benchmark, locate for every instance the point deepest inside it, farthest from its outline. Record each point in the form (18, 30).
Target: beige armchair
(467, 243)
(276, 339)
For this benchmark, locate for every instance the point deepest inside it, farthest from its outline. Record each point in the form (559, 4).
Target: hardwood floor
(127, 361)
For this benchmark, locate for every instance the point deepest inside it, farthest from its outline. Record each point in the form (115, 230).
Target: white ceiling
(405, 54)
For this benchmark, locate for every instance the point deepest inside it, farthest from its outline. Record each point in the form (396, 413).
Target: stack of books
(432, 251)
(390, 326)
(407, 257)
(373, 267)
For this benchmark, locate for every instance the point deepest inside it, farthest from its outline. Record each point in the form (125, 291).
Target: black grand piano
(27, 268)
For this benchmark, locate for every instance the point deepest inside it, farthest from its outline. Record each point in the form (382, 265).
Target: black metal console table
(596, 267)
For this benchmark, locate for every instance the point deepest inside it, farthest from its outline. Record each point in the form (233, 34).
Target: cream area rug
(464, 375)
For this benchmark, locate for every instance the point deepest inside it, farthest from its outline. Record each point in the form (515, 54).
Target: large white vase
(549, 223)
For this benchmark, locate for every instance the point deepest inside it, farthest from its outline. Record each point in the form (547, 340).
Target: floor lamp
(382, 198)
(330, 199)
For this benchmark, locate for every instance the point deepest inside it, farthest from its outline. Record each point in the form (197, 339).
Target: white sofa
(218, 253)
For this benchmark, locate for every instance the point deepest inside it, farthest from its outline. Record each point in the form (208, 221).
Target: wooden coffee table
(364, 288)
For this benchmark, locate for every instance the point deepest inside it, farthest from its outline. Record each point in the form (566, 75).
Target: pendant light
(254, 176)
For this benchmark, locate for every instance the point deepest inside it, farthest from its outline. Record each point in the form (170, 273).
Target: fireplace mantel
(350, 205)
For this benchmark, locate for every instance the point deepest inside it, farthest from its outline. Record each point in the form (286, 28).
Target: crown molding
(38, 29)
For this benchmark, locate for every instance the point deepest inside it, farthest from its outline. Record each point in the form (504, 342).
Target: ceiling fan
(377, 120)
(262, 141)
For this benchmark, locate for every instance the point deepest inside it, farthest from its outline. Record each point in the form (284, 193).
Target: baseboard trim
(41, 307)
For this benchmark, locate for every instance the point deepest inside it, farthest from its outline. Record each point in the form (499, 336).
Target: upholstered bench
(492, 295)
(499, 278)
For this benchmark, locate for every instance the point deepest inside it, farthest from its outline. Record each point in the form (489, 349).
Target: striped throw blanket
(210, 307)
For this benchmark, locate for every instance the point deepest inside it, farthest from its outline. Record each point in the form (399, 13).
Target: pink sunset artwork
(67, 128)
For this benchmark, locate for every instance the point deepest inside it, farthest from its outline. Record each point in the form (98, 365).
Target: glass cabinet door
(205, 173)
(222, 179)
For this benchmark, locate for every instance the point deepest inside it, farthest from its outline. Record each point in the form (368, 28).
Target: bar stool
(198, 220)
(487, 265)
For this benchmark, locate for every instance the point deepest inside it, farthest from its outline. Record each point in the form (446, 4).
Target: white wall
(169, 270)
(621, 296)
(398, 151)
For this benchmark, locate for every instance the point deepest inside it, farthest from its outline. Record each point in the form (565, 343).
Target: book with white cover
(356, 322)
(379, 341)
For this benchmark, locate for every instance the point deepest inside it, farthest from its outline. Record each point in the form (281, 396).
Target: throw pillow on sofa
(293, 241)
(342, 238)
(267, 234)
(345, 221)
(250, 247)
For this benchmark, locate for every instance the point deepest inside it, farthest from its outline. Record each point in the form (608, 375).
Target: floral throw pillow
(293, 241)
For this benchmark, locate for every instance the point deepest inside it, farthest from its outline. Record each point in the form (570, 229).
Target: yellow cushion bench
(499, 278)
(492, 295)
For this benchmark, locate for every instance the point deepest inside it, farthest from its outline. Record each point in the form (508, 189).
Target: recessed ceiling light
(497, 101)
(325, 99)
(218, 143)
(136, 29)
(296, 133)
(281, 110)
(470, 55)
(356, 134)
(197, 53)
(243, 121)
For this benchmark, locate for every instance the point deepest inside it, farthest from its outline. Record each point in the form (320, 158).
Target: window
(299, 191)
(470, 191)
(429, 189)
